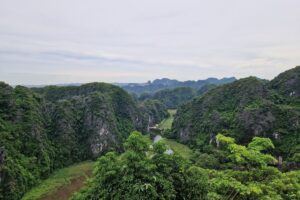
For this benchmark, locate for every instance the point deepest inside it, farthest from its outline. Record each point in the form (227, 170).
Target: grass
(147, 137)
(180, 149)
(58, 179)
(167, 123)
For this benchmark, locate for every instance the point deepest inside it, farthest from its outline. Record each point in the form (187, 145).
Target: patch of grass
(180, 149)
(147, 137)
(166, 124)
(59, 178)
(177, 147)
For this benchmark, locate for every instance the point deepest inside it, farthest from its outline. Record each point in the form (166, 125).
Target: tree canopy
(146, 171)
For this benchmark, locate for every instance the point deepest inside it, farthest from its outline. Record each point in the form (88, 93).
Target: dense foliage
(27, 151)
(250, 176)
(244, 109)
(172, 98)
(153, 112)
(146, 171)
(43, 129)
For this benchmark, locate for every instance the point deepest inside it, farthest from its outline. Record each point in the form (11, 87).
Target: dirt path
(66, 191)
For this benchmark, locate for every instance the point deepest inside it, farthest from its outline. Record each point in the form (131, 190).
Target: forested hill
(172, 98)
(42, 129)
(165, 83)
(243, 109)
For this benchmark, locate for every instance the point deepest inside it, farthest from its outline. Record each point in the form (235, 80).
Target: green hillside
(244, 109)
(44, 129)
(236, 141)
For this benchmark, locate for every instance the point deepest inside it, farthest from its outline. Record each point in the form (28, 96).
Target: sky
(72, 41)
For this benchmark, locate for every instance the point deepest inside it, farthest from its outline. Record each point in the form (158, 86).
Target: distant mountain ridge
(155, 85)
(165, 83)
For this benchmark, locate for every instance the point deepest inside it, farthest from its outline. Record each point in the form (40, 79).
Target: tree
(196, 183)
(250, 156)
(252, 178)
(133, 175)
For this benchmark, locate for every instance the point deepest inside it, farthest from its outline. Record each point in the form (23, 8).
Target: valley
(150, 100)
(65, 182)
(166, 124)
(234, 140)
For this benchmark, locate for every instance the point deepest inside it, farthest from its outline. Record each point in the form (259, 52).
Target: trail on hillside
(66, 191)
(62, 183)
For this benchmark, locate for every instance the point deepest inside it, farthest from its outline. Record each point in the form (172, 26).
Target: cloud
(144, 40)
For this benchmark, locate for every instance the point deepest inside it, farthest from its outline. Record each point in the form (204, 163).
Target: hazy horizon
(80, 83)
(63, 41)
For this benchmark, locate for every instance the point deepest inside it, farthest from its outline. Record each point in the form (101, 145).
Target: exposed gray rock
(256, 122)
(184, 134)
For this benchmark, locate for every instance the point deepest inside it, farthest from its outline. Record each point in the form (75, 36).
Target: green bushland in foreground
(58, 179)
(145, 171)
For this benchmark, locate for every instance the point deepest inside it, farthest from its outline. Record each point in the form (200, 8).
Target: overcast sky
(69, 41)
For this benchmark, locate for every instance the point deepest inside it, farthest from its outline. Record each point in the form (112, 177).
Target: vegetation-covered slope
(153, 112)
(43, 129)
(98, 115)
(243, 109)
(146, 171)
(27, 153)
(287, 83)
(172, 98)
(47, 128)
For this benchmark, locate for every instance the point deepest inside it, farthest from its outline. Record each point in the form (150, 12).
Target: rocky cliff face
(243, 109)
(287, 83)
(153, 112)
(97, 117)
